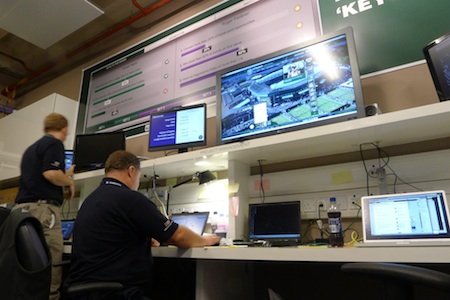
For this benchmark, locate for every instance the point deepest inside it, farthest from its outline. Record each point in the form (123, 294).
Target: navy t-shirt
(45, 154)
(111, 237)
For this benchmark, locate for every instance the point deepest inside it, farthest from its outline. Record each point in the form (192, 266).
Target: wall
(394, 89)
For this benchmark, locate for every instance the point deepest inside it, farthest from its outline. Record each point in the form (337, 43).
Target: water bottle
(335, 225)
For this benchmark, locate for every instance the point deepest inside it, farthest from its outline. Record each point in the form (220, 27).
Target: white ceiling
(42, 39)
(45, 22)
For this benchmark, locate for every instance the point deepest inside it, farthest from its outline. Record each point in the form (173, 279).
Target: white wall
(21, 128)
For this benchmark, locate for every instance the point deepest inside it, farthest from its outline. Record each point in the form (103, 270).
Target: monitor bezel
(297, 237)
(84, 165)
(181, 147)
(353, 60)
(432, 67)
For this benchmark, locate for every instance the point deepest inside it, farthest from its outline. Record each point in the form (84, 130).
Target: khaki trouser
(50, 218)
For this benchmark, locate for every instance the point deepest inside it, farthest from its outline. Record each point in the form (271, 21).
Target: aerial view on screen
(288, 89)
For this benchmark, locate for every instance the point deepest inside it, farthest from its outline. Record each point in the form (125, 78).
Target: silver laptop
(195, 221)
(408, 219)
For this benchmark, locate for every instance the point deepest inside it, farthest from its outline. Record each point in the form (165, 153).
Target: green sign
(388, 33)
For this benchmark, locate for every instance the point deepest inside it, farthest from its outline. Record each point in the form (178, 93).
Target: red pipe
(10, 89)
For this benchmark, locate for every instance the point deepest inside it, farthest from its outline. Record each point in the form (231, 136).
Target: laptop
(195, 221)
(67, 229)
(275, 224)
(408, 219)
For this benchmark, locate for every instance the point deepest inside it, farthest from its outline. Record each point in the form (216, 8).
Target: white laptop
(408, 219)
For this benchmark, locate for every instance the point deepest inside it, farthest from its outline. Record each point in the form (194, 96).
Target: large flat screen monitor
(275, 222)
(179, 128)
(92, 150)
(437, 55)
(307, 85)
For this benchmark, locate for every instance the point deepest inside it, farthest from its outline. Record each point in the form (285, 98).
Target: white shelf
(417, 124)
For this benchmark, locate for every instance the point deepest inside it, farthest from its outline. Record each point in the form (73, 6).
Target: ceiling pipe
(10, 90)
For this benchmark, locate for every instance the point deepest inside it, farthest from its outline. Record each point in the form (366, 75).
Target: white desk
(246, 273)
(312, 254)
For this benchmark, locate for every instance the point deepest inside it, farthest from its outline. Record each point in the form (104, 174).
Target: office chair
(92, 290)
(399, 279)
(24, 258)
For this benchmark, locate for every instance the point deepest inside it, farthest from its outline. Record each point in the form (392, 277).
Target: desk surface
(313, 254)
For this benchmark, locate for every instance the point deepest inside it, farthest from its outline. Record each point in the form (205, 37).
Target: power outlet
(308, 205)
(352, 200)
(322, 205)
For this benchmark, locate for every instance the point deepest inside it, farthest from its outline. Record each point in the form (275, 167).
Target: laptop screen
(67, 228)
(410, 216)
(194, 221)
(274, 221)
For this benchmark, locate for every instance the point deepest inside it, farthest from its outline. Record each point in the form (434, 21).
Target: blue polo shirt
(111, 236)
(45, 154)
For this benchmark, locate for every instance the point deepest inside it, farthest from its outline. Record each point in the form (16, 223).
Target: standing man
(114, 228)
(41, 188)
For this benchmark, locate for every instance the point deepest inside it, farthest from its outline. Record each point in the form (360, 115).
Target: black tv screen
(274, 221)
(311, 84)
(178, 128)
(437, 55)
(92, 150)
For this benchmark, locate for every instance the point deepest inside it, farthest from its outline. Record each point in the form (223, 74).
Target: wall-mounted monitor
(437, 55)
(178, 128)
(92, 150)
(311, 84)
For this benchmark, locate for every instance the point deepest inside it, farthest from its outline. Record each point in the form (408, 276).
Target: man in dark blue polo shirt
(114, 230)
(42, 178)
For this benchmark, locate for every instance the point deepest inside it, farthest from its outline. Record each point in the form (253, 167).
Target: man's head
(56, 125)
(124, 166)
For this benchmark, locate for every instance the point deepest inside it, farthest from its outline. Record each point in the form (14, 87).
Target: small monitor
(311, 84)
(275, 222)
(437, 55)
(68, 159)
(178, 128)
(67, 228)
(92, 150)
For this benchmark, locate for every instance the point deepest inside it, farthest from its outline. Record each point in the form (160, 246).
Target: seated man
(114, 229)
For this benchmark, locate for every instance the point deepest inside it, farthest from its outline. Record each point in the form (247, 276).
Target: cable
(383, 162)
(262, 193)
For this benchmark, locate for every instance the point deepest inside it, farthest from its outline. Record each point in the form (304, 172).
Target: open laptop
(277, 224)
(67, 229)
(408, 219)
(195, 221)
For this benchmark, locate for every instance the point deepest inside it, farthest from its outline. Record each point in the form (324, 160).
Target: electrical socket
(321, 205)
(308, 205)
(352, 200)
(373, 171)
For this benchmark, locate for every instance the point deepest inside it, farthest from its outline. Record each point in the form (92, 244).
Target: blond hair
(55, 122)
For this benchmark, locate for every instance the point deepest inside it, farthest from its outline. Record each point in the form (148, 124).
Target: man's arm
(183, 237)
(59, 178)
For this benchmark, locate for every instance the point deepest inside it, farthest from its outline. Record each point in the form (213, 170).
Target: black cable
(383, 156)
(262, 193)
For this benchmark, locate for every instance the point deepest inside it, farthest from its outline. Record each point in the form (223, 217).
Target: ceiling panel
(45, 22)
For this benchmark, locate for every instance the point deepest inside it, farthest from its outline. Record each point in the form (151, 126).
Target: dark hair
(121, 160)
(55, 122)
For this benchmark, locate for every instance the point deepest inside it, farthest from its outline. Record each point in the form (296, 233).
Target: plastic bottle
(214, 222)
(335, 225)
